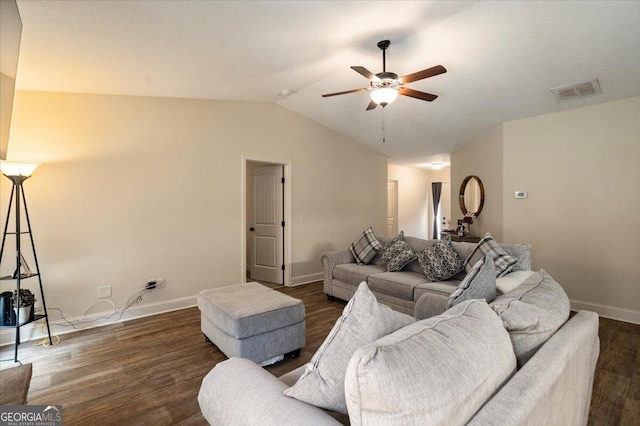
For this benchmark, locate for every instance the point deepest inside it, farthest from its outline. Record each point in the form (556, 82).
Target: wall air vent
(577, 90)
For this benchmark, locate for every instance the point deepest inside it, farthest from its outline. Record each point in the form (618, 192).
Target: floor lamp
(17, 173)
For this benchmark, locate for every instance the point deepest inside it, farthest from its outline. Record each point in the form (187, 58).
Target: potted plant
(23, 304)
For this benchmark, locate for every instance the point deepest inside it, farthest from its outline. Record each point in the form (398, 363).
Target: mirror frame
(463, 207)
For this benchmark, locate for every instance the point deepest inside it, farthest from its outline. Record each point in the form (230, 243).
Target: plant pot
(23, 314)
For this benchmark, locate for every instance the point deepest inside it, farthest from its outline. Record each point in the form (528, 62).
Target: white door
(267, 229)
(392, 208)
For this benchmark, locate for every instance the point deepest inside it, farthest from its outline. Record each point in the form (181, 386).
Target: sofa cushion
(487, 245)
(480, 283)
(442, 288)
(532, 312)
(366, 247)
(397, 255)
(440, 261)
(353, 273)
(398, 284)
(438, 371)
(522, 254)
(363, 321)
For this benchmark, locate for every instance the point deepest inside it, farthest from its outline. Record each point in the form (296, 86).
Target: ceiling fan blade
(345, 92)
(417, 94)
(371, 105)
(366, 73)
(429, 72)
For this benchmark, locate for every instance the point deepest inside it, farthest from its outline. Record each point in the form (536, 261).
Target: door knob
(252, 229)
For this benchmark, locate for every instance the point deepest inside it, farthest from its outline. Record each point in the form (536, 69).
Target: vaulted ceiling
(502, 58)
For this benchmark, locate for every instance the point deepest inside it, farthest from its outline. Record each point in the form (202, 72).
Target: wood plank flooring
(148, 371)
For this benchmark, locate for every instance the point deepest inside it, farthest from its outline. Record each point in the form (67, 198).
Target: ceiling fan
(386, 86)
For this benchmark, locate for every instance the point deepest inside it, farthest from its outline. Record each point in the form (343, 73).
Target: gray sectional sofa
(402, 290)
(465, 366)
(516, 361)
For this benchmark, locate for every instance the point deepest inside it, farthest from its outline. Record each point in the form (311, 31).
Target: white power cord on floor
(134, 299)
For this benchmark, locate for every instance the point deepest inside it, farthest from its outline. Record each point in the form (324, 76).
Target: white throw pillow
(363, 321)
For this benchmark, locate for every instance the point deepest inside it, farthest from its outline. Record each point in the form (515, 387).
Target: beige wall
(482, 158)
(581, 168)
(413, 199)
(6, 102)
(133, 188)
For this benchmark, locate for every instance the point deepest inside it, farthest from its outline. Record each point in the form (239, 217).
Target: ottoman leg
(293, 354)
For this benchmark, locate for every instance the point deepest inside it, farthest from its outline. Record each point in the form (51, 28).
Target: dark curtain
(436, 189)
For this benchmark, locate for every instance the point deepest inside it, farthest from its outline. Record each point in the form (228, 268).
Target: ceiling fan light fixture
(384, 96)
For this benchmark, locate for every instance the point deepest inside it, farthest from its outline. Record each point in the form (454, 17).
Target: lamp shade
(15, 168)
(384, 96)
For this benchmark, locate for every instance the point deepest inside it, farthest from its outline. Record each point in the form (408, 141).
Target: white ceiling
(502, 58)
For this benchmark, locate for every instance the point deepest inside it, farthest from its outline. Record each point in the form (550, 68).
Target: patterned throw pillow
(480, 283)
(399, 237)
(487, 245)
(397, 255)
(366, 247)
(440, 261)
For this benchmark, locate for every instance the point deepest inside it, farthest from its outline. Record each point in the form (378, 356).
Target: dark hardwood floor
(148, 371)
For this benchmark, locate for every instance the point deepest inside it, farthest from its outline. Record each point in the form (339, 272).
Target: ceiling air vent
(577, 90)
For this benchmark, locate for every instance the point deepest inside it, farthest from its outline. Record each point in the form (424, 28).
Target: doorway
(266, 235)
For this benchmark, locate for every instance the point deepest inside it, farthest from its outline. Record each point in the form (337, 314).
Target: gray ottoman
(252, 321)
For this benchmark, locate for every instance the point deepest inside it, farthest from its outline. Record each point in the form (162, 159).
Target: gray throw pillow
(532, 313)
(397, 256)
(440, 261)
(363, 321)
(366, 247)
(438, 371)
(487, 245)
(480, 283)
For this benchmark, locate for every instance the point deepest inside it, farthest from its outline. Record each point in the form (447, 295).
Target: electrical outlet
(104, 292)
(155, 283)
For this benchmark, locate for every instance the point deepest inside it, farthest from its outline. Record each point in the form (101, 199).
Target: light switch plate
(522, 194)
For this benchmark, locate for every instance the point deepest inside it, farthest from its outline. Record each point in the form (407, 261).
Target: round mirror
(471, 195)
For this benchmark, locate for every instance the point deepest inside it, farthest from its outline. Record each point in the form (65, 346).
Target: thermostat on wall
(522, 194)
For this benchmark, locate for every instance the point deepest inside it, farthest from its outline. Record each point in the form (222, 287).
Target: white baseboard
(306, 279)
(34, 331)
(612, 312)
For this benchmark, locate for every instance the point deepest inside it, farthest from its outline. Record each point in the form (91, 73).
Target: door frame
(395, 206)
(288, 218)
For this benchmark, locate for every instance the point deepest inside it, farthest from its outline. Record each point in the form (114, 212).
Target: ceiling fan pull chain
(384, 138)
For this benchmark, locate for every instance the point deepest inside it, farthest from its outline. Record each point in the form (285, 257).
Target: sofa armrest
(555, 385)
(329, 261)
(240, 392)
(430, 305)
